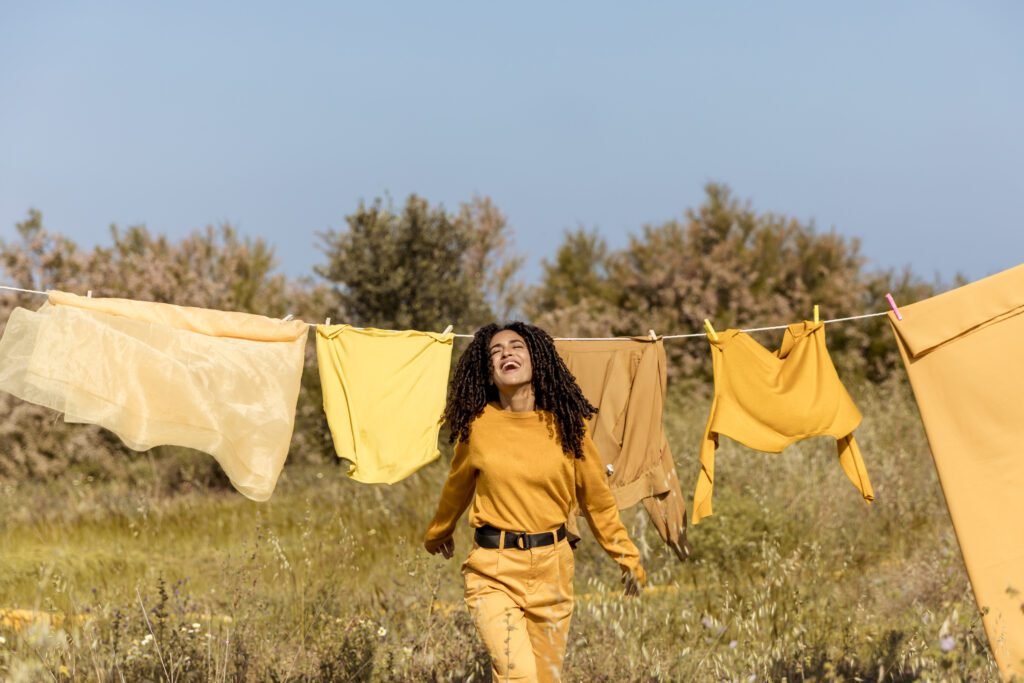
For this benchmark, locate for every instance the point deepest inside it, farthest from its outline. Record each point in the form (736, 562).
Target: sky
(900, 124)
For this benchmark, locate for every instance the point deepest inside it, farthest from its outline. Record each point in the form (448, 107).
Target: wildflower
(147, 639)
(382, 632)
(707, 622)
(947, 643)
(196, 626)
(733, 644)
(3, 641)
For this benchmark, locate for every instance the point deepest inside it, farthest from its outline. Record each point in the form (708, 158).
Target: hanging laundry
(384, 395)
(159, 374)
(767, 400)
(626, 381)
(963, 353)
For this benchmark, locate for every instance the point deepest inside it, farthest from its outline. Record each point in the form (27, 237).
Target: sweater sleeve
(455, 498)
(598, 506)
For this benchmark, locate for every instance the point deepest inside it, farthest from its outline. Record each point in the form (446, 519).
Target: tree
(421, 268)
(727, 263)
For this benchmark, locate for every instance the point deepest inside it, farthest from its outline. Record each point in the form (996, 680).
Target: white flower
(382, 632)
(3, 640)
(196, 627)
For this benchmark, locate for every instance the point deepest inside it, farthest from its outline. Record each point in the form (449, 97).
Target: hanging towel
(964, 353)
(626, 381)
(158, 374)
(767, 400)
(384, 396)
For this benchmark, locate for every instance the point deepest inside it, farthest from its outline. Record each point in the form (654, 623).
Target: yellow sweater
(523, 481)
(767, 400)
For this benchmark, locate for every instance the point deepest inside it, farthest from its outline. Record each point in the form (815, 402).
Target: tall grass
(794, 578)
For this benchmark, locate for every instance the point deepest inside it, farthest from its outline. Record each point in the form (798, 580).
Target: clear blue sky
(898, 123)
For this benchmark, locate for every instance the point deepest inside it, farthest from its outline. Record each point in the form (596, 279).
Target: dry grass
(793, 578)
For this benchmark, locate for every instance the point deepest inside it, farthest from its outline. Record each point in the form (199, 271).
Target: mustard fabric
(369, 378)
(964, 354)
(517, 478)
(767, 400)
(158, 374)
(522, 602)
(626, 380)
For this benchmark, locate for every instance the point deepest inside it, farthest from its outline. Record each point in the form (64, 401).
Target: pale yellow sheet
(157, 374)
(384, 394)
(964, 353)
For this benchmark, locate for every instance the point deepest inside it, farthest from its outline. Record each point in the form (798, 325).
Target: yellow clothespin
(816, 319)
(710, 330)
(654, 337)
(448, 329)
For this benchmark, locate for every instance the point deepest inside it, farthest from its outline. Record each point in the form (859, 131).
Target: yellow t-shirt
(517, 477)
(370, 377)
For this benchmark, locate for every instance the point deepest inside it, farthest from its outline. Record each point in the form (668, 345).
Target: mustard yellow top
(518, 478)
(369, 377)
(769, 399)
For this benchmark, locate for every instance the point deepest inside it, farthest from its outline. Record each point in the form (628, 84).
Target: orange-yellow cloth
(964, 353)
(158, 374)
(767, 400)
(523, 481)
(626, 380)
(369, 377)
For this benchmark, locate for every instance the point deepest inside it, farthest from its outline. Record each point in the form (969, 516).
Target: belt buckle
(521, 541)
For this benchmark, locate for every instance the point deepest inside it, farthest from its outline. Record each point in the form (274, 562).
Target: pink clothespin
(892, 305)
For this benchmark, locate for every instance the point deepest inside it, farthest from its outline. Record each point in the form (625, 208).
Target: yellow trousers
(521, 602)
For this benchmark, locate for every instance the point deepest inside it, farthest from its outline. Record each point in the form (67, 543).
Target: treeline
(421, 266)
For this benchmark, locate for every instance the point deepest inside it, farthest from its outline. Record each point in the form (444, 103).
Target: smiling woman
(524, 461)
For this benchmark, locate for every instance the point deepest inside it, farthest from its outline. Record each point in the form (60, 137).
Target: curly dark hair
(554, 387)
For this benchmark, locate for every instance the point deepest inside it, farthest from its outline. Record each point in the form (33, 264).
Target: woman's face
(511, 366)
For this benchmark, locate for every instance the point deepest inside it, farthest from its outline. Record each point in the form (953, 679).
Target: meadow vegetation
(123, 566)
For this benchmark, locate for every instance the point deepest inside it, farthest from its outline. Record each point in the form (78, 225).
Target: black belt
(489, 537)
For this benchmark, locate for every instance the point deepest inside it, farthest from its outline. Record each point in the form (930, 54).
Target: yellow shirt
(369, 377)
(767, 400)
(518, 478)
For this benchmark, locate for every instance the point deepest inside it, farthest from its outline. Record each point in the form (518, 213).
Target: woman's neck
(518, 400)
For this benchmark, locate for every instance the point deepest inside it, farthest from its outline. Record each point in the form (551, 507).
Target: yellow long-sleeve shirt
(514, 472)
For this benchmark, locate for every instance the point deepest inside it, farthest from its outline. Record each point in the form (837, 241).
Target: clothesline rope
(693, 335)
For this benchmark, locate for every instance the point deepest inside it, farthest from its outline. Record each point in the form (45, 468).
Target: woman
(524, 460)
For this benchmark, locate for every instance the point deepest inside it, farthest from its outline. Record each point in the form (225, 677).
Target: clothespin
(327, 321)
(448, 329)
(287, 317)
(609, 469)
(89, 294)
(654, 337)
(892, 305)
(710, 329)
(816, 319)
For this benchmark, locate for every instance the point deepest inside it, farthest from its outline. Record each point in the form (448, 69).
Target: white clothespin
(89, 294)
(654, 337)
(448, 329)
(287, 317)
(327, 321)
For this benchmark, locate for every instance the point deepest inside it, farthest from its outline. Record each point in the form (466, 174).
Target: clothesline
(692, 335)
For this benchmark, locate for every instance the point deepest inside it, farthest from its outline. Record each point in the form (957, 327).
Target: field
(794, 578)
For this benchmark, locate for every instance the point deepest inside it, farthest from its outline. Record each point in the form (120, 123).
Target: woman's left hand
(631, 584)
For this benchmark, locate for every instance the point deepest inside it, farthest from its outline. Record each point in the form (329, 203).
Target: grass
(794, 578)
